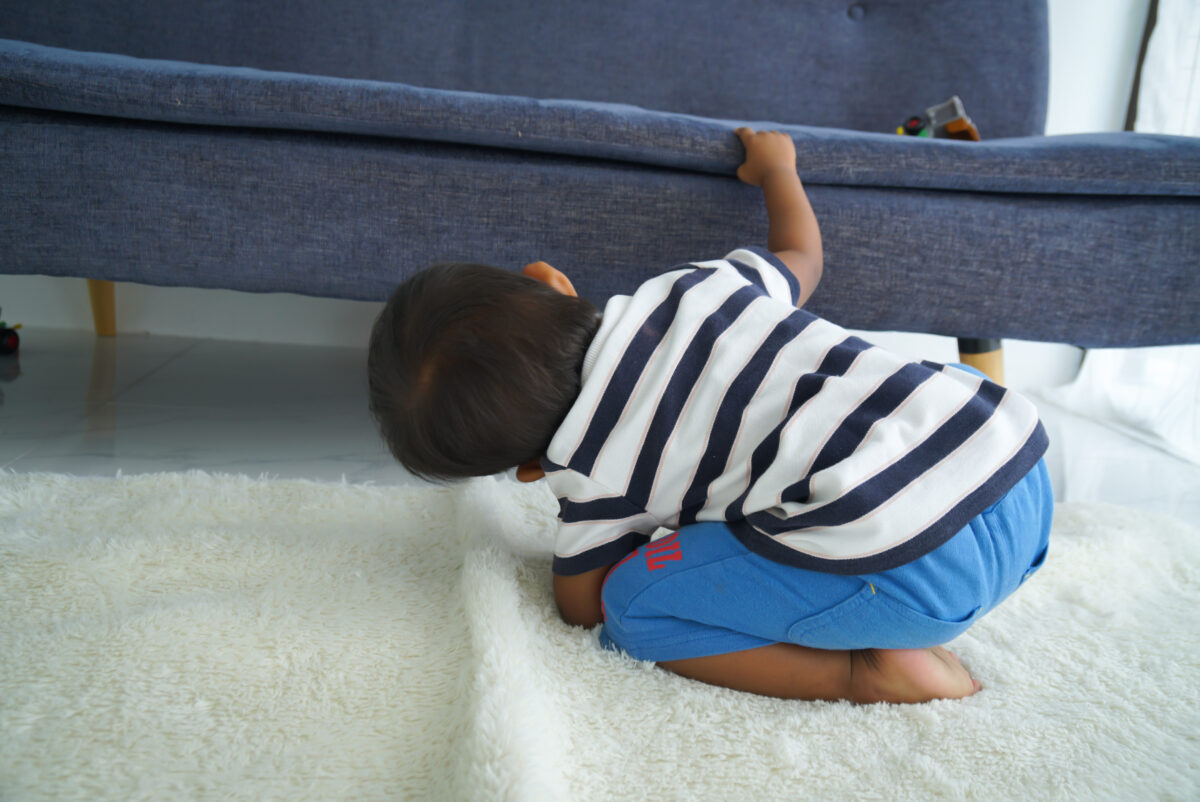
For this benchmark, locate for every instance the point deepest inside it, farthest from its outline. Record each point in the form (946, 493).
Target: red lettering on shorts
(663, 551)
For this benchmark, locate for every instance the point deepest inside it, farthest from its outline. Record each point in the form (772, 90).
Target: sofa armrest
(38, 77)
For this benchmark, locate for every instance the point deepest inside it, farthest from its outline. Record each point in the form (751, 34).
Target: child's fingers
(744, 173)
(765, 151)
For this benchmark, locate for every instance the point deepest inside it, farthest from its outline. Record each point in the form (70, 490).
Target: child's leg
(865, 675)
(703, 606)
(784, 670)
(700, 592)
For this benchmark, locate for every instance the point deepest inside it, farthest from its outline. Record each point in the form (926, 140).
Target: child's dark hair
(472, 369)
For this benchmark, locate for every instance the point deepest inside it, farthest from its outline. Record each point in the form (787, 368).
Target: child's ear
(530, 471)
(553, 277)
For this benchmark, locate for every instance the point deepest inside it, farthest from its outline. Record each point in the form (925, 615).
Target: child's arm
(578, 596)
(793, 234)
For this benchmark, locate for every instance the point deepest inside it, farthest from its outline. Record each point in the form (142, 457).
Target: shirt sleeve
(595, 527)
(766, 270)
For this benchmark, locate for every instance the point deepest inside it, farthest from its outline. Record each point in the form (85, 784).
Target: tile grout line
(8, 466)
(141, 379)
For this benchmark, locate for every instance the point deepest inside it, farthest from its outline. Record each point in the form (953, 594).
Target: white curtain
(1169, 95)
(1153, 394)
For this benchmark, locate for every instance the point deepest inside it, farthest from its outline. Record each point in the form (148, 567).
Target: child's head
(472, 368)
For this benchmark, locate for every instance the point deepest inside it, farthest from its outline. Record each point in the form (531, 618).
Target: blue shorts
(719, 597)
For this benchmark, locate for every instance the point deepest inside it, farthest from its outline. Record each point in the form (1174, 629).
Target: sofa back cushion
(863, 65)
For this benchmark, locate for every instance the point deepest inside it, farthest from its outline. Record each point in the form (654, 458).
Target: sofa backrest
(863, 65)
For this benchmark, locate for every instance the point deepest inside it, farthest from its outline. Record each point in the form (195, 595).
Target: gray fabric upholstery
(119, 86)
(862, 65)
(327, 182)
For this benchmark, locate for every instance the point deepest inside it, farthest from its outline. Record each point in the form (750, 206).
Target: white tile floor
(93, 406)
(73, 403)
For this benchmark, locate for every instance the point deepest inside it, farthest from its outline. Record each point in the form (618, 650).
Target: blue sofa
(332, 148)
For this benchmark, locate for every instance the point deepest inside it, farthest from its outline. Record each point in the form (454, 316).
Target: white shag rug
(189, 636)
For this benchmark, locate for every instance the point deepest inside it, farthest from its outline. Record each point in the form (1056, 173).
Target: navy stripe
(629, 371)
(976, 502)
(755, 277)
(878, 489)
(613, 508)
(946, 527)
(679, 387)
(836, 363)
(777, 263)
(853, 429)
(600, 556)
(727, 423)
(550, 466)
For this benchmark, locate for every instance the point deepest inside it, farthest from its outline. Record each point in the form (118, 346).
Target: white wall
(1093, 51)
(1093, 56)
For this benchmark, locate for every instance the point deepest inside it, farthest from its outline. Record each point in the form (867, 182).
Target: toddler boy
(838, 512)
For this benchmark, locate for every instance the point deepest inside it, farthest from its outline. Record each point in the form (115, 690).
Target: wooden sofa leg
(986, 355)
(104, 306)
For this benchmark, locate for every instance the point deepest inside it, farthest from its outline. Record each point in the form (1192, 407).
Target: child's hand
(909, 675)
(766, 153)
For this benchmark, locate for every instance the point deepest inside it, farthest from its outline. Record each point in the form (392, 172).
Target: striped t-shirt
(707, 395)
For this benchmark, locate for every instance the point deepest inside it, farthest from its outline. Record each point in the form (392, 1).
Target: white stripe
(579, 487)
(777, 286)
(812, 424)
(842, 395)
(836, 481)
(801, 356)
(578, 538)
(686, 450)
(762, 414)
(934, 404)
(605, 356)
(617, 459)
(695, 421)
(915, 509)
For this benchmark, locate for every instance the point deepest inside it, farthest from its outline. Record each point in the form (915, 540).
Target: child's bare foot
(909, 675)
